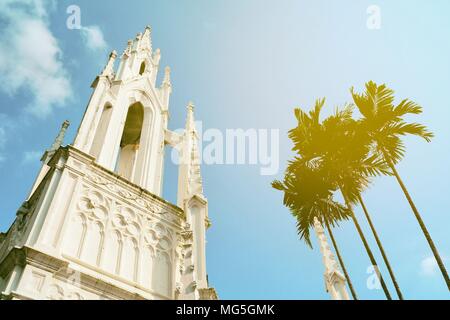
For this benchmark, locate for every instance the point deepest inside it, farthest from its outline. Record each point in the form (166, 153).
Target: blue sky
(247, 64)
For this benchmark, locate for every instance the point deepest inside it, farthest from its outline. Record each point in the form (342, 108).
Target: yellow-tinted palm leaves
(339, 146)
(384, 124)
(383, 121)
(308, 195)
(341, 150)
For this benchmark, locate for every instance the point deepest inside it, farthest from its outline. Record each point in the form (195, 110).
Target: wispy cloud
(2, 144)
(2, 137)
(30, 57)
(31, 157)
(5, 127)
(93, 38)
(429, 266)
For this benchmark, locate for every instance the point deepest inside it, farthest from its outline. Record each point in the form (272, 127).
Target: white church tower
(94, 225)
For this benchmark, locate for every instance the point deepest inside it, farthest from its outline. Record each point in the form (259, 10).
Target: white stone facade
(94, 225)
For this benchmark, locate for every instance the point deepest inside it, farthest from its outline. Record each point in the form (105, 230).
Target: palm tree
(380, 246)
(313, 201)
(337, 145)
(353, 164)
(384, 124)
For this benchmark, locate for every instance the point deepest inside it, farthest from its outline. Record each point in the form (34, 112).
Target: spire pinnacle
(334, 279)
(109, 68)
(190, 122)
(191, 106)
(60, 137)
(128, 49)
(166, 80)
(166, 88)
(157, 56)
(195, 185)
(145, 39)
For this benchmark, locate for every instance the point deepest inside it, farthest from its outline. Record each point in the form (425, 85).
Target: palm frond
(383, 122)
(315, 113)
(278, 185)
(308, 195)
(392, 148)
(380, 97)
(402, 128)
(407, 107)
(374, 165)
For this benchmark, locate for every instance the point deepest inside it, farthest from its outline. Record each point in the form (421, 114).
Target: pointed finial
(127, 50)
(190, 106)
(190, 125)
(60, 137)
(145, 39)
(157, 56)
(138, 41)
(166, 80)
(147, 33)
(166, 88)
(109, 68)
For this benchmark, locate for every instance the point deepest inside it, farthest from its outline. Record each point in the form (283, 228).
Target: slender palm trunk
(341, 262)
(421, 223)
(380, 246)
(368, 250)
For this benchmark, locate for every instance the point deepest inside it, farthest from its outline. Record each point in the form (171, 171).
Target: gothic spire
(166, 88)
(166, 81)
(60, 137)
(145, 39)
(195, 184)
(334, 279)
(157, 56)
(128, 49)
(109, 68)
(195, 176)
(190, 121)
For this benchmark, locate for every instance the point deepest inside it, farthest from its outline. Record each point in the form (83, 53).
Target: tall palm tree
(338, 146)
(308, 196)
(380, 246)
(385, 125)
(353, 164)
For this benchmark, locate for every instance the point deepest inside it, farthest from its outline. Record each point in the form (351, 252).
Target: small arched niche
(129, 144)
(142, 68)
(101, 130)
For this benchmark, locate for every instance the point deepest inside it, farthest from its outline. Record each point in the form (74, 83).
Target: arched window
(161, 276)
(142, 68)
(100, 133)
(129, 144)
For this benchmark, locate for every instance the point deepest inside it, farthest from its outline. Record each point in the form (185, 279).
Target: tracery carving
(127, 222)
(150, 206)
(57, 292)
(94, 206)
